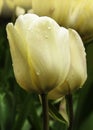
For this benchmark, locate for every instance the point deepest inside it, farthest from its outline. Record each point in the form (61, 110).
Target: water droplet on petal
(38, 73)
(49, 28)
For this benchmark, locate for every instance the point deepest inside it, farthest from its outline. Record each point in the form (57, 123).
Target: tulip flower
(78, 71)
(76, 14)
(15, 7)
(40, 52)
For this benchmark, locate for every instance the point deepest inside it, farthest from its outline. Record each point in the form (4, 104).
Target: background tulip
(78, 72)
(22, 3)
(76, 14)
(9, 7)
(19, 11)
(1, 5)
(40, 52)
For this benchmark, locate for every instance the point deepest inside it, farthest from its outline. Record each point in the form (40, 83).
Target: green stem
(45, 112)
(70, 110)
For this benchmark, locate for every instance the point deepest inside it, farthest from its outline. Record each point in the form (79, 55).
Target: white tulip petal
(48, 58)
(24, 22)
(21, 68)
(78, 71)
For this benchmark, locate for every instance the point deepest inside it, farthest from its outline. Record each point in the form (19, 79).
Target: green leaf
(55, 114)
(6, 110)
(88, 123)
(28, 111)
(85, 103)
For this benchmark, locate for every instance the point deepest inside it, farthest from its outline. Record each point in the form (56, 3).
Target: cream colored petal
(79, 16)
(76, 14)
(48, 53)
(54, 9)
(13, 3)
(19, 11)
(44, 8)
(24, 3)
(20, 66)
(78, 71)
(24, 22)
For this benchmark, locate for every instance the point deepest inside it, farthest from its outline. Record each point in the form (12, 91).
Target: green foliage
(55, 114)
(7, 110)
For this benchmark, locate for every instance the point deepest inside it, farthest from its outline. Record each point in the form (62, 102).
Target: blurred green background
(20, 110)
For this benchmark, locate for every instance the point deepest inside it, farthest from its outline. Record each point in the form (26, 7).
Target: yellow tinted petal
(48, 46)
(78, 71)
(1, 5)
(20, 66)
(76, 14)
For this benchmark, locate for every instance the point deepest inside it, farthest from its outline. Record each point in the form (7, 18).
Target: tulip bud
(40, 52)
(76, 14)
(19, 11)
(77, 73)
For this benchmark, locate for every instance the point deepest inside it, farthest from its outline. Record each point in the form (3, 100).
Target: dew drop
(38, 73)
(49, 28)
